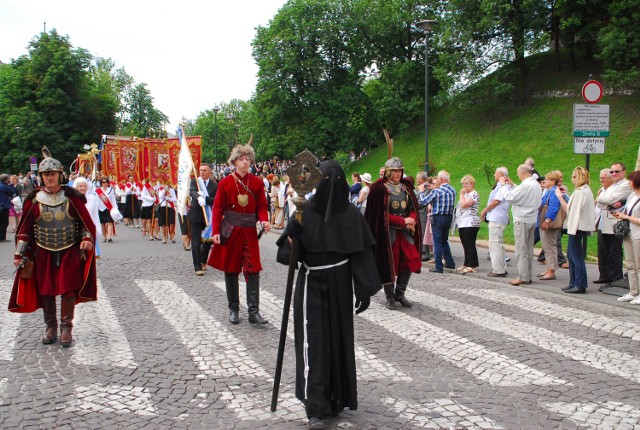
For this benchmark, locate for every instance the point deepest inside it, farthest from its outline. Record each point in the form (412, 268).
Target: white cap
(366, 177)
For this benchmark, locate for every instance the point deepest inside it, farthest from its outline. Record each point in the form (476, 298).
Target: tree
(480, 36)
(48, 97)
(141, 117)
(620, 44)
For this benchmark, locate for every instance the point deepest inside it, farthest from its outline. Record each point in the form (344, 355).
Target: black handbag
(622, 228)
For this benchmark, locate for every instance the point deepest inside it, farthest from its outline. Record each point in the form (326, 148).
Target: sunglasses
(614, 171)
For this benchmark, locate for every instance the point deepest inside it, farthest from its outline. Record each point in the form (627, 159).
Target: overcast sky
(192, 54)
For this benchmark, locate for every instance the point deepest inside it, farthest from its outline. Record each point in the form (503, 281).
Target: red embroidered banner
(146, 159)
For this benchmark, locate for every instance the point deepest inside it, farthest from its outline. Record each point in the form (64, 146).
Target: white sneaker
(635, 301)
(628, 298)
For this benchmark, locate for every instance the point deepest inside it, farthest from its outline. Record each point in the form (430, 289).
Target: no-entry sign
(592, 91)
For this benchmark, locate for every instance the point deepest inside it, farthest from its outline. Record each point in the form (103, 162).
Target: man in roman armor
(392, 215)
(54, 253)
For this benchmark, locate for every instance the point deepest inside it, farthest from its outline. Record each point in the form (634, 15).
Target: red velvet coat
(378, 218)
(74, 274)
(229, 257)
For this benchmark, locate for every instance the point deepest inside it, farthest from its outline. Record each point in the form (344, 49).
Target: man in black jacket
(202, 192)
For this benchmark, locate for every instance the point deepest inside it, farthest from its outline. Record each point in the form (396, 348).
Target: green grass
(492, 134)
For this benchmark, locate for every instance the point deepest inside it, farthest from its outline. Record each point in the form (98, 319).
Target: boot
(50, 319)
(426, 255)
(231, 283)
(68, 305)
(391, 300)
(253, 299)
(401, 286)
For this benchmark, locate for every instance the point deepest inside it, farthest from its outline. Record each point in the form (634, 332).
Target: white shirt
(500, 213)
(525, 199)
(635, 212)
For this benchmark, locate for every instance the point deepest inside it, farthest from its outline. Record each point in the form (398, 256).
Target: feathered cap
(393, 163)
(49, 164)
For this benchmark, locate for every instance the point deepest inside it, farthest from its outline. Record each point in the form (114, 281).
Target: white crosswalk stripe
(438, 414)
(9, 323)
(598, 415)
(561, 312)
(484, 364)
(3, 386)
(215, 350)
(369, 366)
(596, 356)
(115, 398)
(98, 336)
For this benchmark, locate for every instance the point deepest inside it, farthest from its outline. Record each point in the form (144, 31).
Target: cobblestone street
(156, 351)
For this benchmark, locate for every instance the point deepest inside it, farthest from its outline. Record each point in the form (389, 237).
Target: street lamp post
(426, 26)
(216, 109)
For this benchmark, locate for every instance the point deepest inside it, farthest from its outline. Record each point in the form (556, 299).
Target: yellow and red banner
(154, 160)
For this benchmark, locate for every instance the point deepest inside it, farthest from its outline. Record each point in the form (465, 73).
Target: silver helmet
(394, 163)
(50, 164)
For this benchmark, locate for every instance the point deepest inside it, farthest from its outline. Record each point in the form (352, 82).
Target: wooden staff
(303, 176)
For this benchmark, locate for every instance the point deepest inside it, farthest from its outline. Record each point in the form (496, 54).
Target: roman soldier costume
(398, 245)
(49, 255)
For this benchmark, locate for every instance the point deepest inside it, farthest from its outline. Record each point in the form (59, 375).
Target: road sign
(34, 167)
(588, 145)
(592, 91)
(590, 120)
(33, 160)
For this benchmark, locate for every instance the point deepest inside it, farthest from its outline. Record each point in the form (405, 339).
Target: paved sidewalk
(562, 275)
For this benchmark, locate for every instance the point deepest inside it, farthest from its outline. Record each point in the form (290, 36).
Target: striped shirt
(442, 200)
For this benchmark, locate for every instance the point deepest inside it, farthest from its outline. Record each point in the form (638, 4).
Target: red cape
(24, 296)
(377, 217)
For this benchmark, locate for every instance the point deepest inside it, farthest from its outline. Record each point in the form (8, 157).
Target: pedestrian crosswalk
(468, 357)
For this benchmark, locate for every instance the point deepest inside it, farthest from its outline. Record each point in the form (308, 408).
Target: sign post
(590, 122)
(590, 126)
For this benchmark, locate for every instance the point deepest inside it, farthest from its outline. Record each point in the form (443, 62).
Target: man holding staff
(203, 192)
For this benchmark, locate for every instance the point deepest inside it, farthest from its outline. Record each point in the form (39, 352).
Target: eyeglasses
(614, 171)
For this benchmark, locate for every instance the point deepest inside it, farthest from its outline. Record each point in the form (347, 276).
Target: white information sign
(34, 166)
(588, 145)
(590, 120)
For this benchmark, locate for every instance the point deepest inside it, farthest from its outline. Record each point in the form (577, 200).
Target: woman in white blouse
(468, 223)
(632, 242)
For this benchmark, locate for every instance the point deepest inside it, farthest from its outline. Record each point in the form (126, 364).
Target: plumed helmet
(49, 164)
(394, 163)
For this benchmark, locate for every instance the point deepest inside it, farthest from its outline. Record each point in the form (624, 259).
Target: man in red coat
(56, 235)
(239, 205)
(392, 215)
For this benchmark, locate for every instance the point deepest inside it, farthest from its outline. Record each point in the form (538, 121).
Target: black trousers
(199, 250)
(609, 257)
(468, 237)
(4, 223)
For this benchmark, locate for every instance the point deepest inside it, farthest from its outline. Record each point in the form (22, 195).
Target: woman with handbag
(550, 220)
(631, 242)
(579, 224)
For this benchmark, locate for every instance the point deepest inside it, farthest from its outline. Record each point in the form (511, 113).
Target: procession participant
(202, 191)
(148, 197)
(184, 228)
(131, 207)
(93, 203)
(107, 206)
(336, 252)
(392, 215)
(242, 201)
(56, 235)
(167, 213)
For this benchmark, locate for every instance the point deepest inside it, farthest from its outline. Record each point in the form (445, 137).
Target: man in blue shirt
(7, 191)
(442, 200)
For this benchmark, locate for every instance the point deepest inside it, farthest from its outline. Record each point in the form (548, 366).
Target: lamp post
(216, 109)
(426, 26)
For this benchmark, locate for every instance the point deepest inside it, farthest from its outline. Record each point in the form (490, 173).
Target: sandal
(468, 270)
(547, 278)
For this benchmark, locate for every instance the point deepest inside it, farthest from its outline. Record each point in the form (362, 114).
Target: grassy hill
(495, 133)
